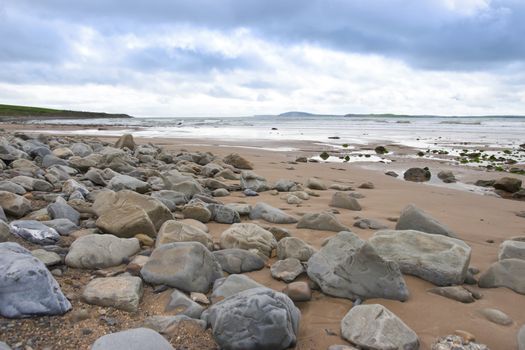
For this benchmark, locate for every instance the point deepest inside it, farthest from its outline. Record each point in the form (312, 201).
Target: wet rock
(508, 184)
(28, 288)
(238, 260)
(293, 247)
(349, 267)
(122, 292)
(181, 304)
(417, 175)
(298, 291)
(100, 251)
(457, 293)
(177, 231)
(496, 316)
(485, 183)
(238, 161)
(188, 266)
(315, 184)
(287, 269)
(132, 339)
(233, 284)
(321, 221)
(413, 218)
(248, 236)
(375, 327)
(345, 201)
(257, 318)
(436, 258)
(512, 249)
(34, 231)
(14, 204)
(508, 273)
(268, 213)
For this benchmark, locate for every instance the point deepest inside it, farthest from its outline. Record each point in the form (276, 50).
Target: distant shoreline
(9, 113)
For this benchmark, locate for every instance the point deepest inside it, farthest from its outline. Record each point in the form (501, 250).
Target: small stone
(467, 336)
(496, 316)
(298, 291)
(200, 298)
(287, 270)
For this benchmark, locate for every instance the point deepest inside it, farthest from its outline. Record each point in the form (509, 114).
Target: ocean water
(421, 132)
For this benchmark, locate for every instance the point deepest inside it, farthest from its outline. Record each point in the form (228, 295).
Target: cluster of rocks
(505, 186)
(92, 206)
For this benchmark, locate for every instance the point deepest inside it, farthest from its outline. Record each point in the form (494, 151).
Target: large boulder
(349, 267)
(257, 318)
(27, 287)
(417, 175)
(126, 141)
(508, 273)
(508, 184)
(14, 204)
(293, 247)
(188, 266)
(233, 284)
(438, 259)
(132, 339)
(176, 231)
(413, 218)
(375, 327)
(321, 221)
(512, 249)
(236, 260)
(344, 200)
(248, 236)
(34, 232)
(96, 251)
(121, 292)
(238, 161)
(268, 213)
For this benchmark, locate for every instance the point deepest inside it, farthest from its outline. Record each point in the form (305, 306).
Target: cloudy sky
(246, 57)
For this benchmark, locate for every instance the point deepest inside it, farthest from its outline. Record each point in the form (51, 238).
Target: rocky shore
(130, 245)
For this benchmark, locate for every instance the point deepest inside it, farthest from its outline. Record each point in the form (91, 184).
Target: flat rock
(268, 213)
(287, 269)
(180, 304)
(258, 318)
(34, 232)
(14, 204)
(95, 251)
(48, 258)
(233, 284)
(496, 316)
(188, 266)
(413, 218)
(512, 249)
(132, 339)
(345, 201)
(321, 221)
(375, 327)
(121, 292)
(438, 259)
(371, 224)
(177, 231)
(236, 260)
(349, 267)
(508, 273)
(293, 247)
(28, 288)
(457, 293)
(125, 182)
(248, 236)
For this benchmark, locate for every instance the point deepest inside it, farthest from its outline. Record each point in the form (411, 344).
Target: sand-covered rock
(248, 236)
(258, 318)
(176, 231)
(375, 327)
(236, 260)
(508, 273)
(132, 339)
(121, 292)
(438, 259)
(27, 287)
(413, 218)
(188, 266)
(349, 267)
(321, 221)
(268, 213)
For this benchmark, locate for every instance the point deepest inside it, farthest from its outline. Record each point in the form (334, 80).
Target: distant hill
(297, 114)
(10, 112)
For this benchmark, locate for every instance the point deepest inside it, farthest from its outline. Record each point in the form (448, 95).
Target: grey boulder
(61, 210)
(132, 339)
(287, 269)
(508, 273)
(181, 304)
(345, 201)
(63, 226)
(413, 218)
(177, 231)
(258, 318)
(512, 249)
(268, 213)
(248, 236)
(236, 260)
(254, 182)
(438, 259)
(321, 221)
(349, 267)
(125, 182)
(223, 214)
(28, 288)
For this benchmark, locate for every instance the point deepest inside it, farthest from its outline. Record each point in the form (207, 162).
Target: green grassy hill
(10, 112)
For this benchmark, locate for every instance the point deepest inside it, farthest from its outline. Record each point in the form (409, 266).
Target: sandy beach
(478, 217)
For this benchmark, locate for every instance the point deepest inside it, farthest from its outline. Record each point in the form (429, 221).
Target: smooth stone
(180, 304)
(294, 200)
(132, 339)
(14, 205)
(349, 267)
(413, 218)
(233, 284)
(375, 327)
(170, 199)
(321, 221)
(62, 210)
(508, 273)
(197, 211)
(8, 186)
(5, 231)
(512, 249)
(293, 247)
(121, 292)
(345, 201)
(241, 208)
(438, 259)
(28, 288)
(258, 318)
(236, 260)
(284, 185)
(34, 232)
(48, 258)
(95, 251)
(298, 291)
(496, 316)
(315, 184)
(457, 293)
(248, 236)
(268, 213)
(220, 192)
(287, 269)
(177, 231)
(188, 266)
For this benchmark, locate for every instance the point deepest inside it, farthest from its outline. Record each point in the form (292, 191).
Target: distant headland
(12, 113)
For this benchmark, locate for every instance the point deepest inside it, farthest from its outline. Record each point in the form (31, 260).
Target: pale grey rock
(508, 273)
(512, 249)
(370, 224)
(349, 267)
(188, 187)
(293, 247)
(132, 339)
(71, 186)
(345, 201)
(321, 221)
(220, 192)
(496, 316)
(254, 182)
(95, 251)
(521, 338)
(61, 210)
(375, 327)
(248, 236)
(413, 218)
(233, 284)
(177, 231)
(63, 226)
(126, 141)
(28, 288)
(12, 187)
(121, 292)
(236, 260)
(48, 258)
(34, 232)
(438, 259)
(125, 182)
(164, 324)
(257, 318)
(284, 185)
(457, 293)
(183, 305)
(188, 266)
(287, 269)
(241, 208)
(81, 149)
(268, 213)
